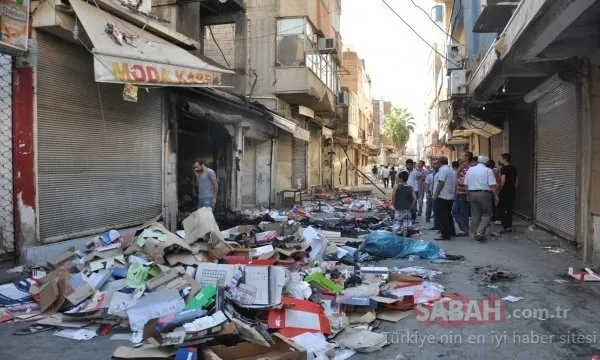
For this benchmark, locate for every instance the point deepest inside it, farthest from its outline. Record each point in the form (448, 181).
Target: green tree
(398, 126)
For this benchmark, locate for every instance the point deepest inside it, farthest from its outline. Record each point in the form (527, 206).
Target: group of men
(476, 189)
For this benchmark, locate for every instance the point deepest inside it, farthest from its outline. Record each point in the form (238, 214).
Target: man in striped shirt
(460, 207)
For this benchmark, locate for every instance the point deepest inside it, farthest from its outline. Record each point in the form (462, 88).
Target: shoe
(479, 237)
(495, 234)
(440, 238)
(462, 234)
(427, 220)
(434, 229)
(506, 231)
(497, 222)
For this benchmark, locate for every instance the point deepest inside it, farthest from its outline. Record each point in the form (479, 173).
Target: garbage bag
(386, 244)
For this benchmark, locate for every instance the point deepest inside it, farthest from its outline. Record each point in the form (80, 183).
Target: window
(290, 42)
(297, 46)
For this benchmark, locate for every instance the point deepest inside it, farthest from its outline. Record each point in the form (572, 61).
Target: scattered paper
(121, 337)
(79, 334)
(361, 340)
(315, 344)
(512, 299)
(393, 315)
(154, 305)
(560, 281)
(206, 322)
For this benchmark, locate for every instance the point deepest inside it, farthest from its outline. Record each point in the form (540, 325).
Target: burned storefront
(234, 137)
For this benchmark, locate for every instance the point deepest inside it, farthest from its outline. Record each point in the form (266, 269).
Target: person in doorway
(393, 174)
(428, 185)
(404, 200)
(414, 181)
(481, 186)
(460, 207)
(508, 189)
(422, 188)
(385, 175)
(207, 184)
(445, 188)
(375, 171)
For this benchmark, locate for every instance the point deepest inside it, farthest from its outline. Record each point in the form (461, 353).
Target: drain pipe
(271, 172)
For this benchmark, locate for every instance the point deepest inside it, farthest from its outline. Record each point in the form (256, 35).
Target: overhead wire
(218, 46)
(416, 33)
(435, 22)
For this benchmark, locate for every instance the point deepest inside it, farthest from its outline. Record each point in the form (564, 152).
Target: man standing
(428, 185)
(422, 188)
(393, 174)
(481, 184)
(445, 188)
(206, 180)
(460, 207)
(385, 175)
(508, 190)
(414, 181)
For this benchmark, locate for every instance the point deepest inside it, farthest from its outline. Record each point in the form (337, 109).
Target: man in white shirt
(444, 190)
(414, 181)
(481, 186)
(385, 175)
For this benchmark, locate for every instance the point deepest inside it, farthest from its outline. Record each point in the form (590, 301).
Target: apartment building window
(297, 45)
(291, 41)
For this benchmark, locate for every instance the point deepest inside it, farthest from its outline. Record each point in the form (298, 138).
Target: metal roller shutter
(299, 159)
(99, 157)
(284, 161)
(556, 165)
(315, 151)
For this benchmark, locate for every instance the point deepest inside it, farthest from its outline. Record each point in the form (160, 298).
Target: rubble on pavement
(277, 285)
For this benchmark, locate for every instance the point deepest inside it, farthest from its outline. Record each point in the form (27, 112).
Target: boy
(404, 199)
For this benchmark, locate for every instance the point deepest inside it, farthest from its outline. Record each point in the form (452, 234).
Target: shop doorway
(207, 140)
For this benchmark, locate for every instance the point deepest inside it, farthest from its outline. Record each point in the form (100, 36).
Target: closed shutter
(99, 157)
(299, 160)
(315, 150)
(249, 173)
(283, 157)
(556, 171)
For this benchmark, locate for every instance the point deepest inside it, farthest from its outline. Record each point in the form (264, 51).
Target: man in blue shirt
(207, 185)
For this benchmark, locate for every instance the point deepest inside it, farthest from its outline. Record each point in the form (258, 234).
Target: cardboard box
(283, 349)
(200, 223)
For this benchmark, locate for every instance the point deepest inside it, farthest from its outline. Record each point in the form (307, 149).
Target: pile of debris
(272, 290)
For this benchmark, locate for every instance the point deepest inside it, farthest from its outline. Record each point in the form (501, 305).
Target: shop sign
(119, 70)
(14, 25)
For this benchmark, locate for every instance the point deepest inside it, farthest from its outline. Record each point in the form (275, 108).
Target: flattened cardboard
(164, 278)
(59, 320)
(393, 315)
(155, 248)
(144, 352)
(217, 246)
(81, 293)
(404, 278)
(198, 224)
(62, 258)
(283, 349)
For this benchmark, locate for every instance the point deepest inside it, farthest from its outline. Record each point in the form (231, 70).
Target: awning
(479, 127)
(144, 60)
(289, 126)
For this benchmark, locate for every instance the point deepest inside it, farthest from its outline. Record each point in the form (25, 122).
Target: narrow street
(541, 282)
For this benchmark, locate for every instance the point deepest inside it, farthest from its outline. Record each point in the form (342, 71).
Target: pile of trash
(276, 289)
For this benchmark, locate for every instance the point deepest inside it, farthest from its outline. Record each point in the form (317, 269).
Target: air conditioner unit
(342, 98)
(327, 45)
(453, 58)
(458, 83)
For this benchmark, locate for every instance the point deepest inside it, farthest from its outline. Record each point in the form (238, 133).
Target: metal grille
(7, 236)
(99, 157)
(556, 172)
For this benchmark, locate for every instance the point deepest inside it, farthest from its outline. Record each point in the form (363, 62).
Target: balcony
(300, 86)
(494, 15)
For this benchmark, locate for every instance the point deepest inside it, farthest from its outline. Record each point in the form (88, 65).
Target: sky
(395, 58)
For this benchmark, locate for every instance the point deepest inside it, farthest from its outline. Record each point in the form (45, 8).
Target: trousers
(482, 209)
(444, 208)
(460, 212)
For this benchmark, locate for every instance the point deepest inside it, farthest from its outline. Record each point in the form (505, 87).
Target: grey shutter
(315, 151)
(556, 163)
(299, 159)
(99, 157)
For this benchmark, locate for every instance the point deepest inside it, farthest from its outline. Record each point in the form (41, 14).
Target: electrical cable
(218, 46)
(434, 22)
(418, 35)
